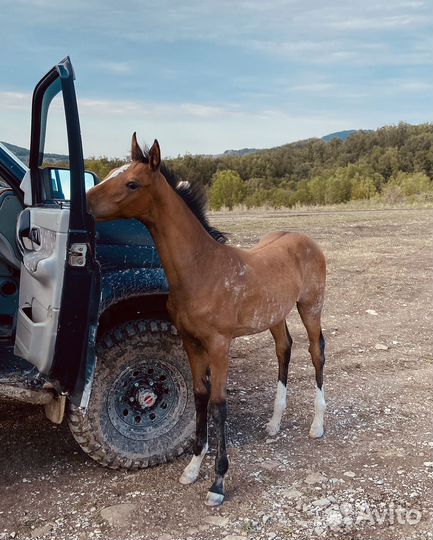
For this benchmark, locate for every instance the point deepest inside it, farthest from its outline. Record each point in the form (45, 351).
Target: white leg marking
(316, 429)
(190, 473)
(273, 426)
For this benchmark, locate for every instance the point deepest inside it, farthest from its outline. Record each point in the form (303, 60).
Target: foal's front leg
(198, 360)
(218, 355)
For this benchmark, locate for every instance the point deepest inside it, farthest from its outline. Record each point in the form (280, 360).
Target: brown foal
(219, 292)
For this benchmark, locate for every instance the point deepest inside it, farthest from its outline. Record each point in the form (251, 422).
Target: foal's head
(129, 191)
(126, 192)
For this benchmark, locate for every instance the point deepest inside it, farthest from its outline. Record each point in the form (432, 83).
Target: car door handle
(27, 236)
(35, 235)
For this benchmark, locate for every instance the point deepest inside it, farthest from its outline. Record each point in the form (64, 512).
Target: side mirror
(57, 183)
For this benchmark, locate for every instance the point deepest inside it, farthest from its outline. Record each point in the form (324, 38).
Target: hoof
(316, 432)
(214, 499)
(272, 428)
(186, 478)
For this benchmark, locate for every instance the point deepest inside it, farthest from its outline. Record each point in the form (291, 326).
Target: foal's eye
(132, 185)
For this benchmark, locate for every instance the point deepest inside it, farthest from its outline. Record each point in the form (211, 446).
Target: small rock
(334, 519)
(321, 503)
(350, 474)
(292, 493)
(118, 515)
(42, 531)
(270, 465)
(234, 537)
(371, 311)
(381, 347)
(347, 522)
(219, 521)
(315, 478)
(165, 537)
(428, 463)
(346, 508)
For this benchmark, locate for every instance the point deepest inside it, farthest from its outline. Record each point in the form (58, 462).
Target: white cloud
(416, 86)
(15, 101)
(115, 68)
(313, 87)
(376, 23)
(107, 126)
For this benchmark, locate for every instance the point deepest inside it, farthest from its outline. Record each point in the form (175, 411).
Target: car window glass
(56, 152)
(3, 182)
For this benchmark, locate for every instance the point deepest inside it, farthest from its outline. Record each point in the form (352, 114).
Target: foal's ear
(136, 152)
(155, 156)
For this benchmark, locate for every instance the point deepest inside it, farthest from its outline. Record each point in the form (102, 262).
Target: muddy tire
(141, 409)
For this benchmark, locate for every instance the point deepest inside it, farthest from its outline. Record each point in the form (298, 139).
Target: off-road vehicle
(84, 329)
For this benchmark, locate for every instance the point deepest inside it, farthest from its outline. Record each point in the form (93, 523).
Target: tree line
(394, 163)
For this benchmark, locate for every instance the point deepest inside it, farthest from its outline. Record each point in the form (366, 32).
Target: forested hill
(394, 162)
(385, 151)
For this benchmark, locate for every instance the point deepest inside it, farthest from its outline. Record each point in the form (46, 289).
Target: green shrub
(392, 194)
(227, 190)
(257, 199)
(363, 188)
(412, 183)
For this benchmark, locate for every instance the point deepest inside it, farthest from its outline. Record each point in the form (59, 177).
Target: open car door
(60, 280)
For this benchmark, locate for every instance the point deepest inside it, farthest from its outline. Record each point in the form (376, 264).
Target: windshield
(12, 163)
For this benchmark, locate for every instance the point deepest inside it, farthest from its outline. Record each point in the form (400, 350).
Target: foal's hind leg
(311, 319)
(283, 347)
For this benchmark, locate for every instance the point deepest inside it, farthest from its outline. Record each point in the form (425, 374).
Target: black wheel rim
(147, 399)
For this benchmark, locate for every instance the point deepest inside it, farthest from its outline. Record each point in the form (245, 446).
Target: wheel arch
(125, 296)
(147, 306)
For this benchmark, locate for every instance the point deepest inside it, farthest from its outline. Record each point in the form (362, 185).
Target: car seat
(10, 207)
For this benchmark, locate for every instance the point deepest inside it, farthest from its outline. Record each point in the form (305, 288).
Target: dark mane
(194, 197)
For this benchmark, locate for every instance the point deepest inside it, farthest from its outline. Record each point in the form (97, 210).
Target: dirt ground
(369, 477)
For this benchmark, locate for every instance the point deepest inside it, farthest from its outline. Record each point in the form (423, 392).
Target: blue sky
(206, 76)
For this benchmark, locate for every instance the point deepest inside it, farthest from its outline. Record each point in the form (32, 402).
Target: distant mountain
(23, 154)
(241, 152)
(343, 135)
